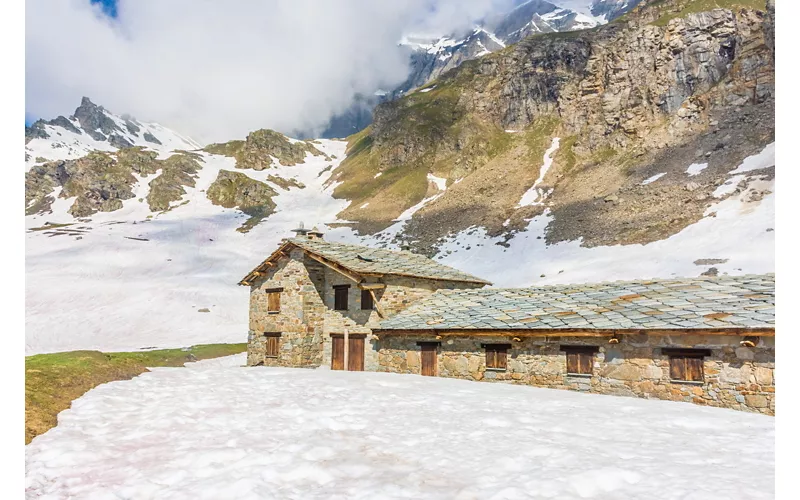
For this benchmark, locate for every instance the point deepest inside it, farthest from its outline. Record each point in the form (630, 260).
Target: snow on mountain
(93, 128)
(135, 278)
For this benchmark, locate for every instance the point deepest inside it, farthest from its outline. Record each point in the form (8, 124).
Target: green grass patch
(53, 381)
(669, 11)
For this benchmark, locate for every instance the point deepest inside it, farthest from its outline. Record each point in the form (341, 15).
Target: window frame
(273, 292)
(494, 359)
(269, 342)
(337, 293)
(370, 300)
(682, 355)
(572, 350)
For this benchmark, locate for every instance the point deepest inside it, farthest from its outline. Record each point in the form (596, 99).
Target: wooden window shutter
(496, 356)
(580, 359)
(272, 344)
(686, 365)
(273, 302)
(366, 300)
(573, 364)
(340, 297)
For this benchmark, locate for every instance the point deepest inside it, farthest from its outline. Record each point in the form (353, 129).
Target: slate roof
(362, 259)
(684, 303)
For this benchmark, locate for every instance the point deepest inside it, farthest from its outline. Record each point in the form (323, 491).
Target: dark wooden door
(337, 354)
(355, 354)
(428, 359)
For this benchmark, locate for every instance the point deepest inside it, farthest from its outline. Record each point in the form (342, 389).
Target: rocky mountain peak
(94, 120)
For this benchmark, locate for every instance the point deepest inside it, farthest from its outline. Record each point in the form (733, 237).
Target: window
(273, 300)
(272, 344)
(686, 365)
(580, 359)
(340, 297)
(496, 356)
(366, 300)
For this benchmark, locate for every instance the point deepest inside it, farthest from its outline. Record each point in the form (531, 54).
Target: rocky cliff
(664, 87)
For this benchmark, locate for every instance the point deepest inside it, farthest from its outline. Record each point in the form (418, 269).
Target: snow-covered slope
(132, 278)
(193, 432)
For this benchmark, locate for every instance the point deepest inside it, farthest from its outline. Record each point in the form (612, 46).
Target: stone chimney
(301, 231)
(314, 234)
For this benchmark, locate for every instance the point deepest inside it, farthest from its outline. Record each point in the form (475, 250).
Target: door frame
(345, 348)
(427, 344)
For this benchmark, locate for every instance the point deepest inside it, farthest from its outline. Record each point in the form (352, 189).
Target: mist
(217, 70)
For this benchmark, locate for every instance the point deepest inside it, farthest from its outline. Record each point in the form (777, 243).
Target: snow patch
(653, 178)
(764, 159)
(535, 195)
(696, 168)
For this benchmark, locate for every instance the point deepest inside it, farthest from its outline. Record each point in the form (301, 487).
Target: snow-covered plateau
(216, 430)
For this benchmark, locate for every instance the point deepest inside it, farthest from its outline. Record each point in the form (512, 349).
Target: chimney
(314, 234)
(301, 231)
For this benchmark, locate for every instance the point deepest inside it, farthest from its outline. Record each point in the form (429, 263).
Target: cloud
(216, 70)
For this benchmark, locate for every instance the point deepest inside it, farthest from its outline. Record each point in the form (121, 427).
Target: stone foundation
(736, 377)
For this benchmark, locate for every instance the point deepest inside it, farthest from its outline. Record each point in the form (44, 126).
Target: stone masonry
(736, 377)
(307, 317)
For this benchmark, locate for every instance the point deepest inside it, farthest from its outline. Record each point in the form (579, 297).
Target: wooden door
(428, 355)
(337, 353)
(355, 354)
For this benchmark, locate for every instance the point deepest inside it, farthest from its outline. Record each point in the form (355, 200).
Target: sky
(217, 70)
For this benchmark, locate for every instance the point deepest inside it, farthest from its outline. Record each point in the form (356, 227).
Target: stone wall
(307, 319)
(736, 377)
(299, 320)
(399, 293)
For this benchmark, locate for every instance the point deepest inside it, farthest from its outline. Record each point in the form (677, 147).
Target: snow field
(214, 430)
(111, 293)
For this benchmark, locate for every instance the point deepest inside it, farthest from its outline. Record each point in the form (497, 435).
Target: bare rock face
(638, 96)
(237, 190)
(94, 120)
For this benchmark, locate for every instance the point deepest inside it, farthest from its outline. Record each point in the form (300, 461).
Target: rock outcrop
(256, 151)
(654, 91)
(237, 190)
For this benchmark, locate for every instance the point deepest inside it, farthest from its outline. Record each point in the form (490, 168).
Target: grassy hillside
(53, 381)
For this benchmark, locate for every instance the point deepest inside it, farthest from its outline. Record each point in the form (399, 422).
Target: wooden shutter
(273, 301)
(272, 344)
(355, 354)
(580, 359)
(366, 300)
(686, 364)
(573, 363)
(496, 356)
(677, 368)
(428, 355)
(337, 353)
(340, 297)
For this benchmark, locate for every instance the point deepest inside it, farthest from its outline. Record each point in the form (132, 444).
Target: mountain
(431, 56)
(642, 148)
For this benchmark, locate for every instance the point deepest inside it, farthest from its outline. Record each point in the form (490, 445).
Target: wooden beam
(372, 286)
(376, 303)
(336, 267)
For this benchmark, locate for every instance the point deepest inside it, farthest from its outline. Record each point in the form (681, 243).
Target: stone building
(707, 340)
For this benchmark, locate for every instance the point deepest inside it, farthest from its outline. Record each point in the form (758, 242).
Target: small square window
(686, 365)
(496, 356)
(366, 300)
(580, 359)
